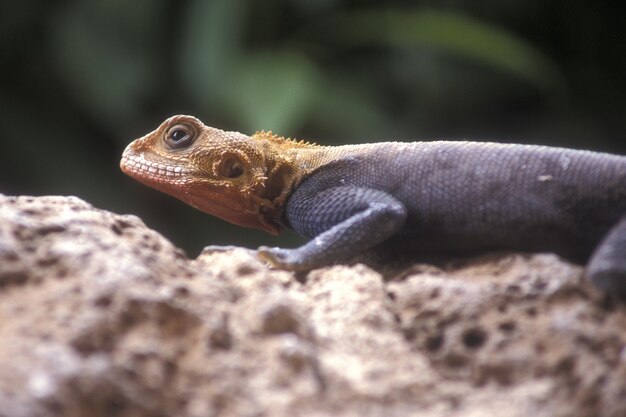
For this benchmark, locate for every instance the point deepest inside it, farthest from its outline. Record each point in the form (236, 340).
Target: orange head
(241, 179)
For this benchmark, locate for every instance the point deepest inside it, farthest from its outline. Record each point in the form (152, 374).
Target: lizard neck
(287, 163)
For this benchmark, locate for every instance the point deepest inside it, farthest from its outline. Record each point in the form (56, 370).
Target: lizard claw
(278, 258)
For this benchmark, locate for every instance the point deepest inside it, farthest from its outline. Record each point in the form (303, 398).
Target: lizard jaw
(152, 173)
(181, 183)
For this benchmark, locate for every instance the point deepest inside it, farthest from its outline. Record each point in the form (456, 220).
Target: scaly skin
(422, 197)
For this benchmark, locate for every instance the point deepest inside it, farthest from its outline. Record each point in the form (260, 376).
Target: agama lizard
(440, 196)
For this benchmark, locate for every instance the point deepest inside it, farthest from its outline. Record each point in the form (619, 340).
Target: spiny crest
(280, 140)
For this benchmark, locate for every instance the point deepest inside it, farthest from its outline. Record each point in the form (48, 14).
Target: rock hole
(47, 261)
(456, 360)
(280, 318)
(104, 301)
(29, 247)
(123, 224)
(409, 334)
(13, 278)
(49, 229)
(531, 312)
(114, 406)
(182, 291)
(29, 212)
(220, 336)
(566, 365)
(396, 318)
(246, 269)
(513, 289)
(474, 338)
(507, 326)
(434, 343)
(61, 273)
(9, 255)
(19, 232)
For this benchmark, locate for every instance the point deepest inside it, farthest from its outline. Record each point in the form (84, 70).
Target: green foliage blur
(81, 79)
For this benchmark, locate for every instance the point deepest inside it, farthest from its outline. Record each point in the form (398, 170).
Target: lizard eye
(180, 136)
(231, 167)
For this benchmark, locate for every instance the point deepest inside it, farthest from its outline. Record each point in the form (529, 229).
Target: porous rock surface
(101, 316)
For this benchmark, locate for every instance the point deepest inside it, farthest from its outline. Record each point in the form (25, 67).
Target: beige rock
(101, 316)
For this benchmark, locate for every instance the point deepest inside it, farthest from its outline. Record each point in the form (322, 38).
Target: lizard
(431, 196)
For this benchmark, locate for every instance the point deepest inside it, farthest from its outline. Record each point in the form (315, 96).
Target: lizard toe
(278, 258)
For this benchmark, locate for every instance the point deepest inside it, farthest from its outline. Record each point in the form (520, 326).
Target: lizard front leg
(342, 222)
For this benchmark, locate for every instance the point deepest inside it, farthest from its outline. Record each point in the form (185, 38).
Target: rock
(101, 316)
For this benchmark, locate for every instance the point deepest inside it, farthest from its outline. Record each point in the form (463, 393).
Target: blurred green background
(81, 79)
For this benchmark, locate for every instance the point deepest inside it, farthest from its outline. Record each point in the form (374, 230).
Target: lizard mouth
(151, 172)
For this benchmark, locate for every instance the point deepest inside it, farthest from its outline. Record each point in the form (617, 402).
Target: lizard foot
(280, 258)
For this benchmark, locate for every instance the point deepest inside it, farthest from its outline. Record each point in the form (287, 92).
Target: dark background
(81, 79)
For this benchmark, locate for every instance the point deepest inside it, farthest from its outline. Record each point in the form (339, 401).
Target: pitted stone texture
(505, 320)
(102, 316)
